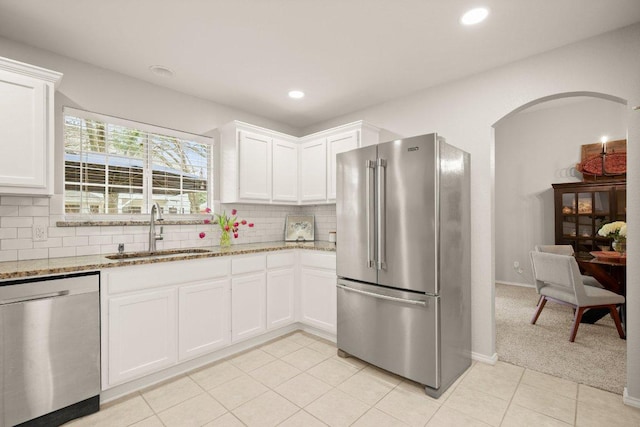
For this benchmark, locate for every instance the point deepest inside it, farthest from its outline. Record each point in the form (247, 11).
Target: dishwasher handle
(34, 297)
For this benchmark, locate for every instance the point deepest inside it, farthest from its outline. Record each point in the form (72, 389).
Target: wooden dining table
(610, 269)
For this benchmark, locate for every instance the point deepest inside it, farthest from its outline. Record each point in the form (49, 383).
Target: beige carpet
(596, 358)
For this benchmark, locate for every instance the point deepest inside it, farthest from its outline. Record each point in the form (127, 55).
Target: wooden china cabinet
(581, 208)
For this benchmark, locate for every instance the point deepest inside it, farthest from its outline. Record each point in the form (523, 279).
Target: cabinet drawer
(126, 279)
(247, 264)
(318, 260)
(278, 260)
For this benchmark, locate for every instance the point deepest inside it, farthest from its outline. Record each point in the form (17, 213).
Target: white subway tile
(16, 244)
(111, 229)
(62, 252)
(9, 211)
(25, 233)
(87, 250)
(75, 241)
(17, 221)
(62, 231)
(33, 210)
(54, 242)
(88, 231)
(9, 255)
(41, 201)
(16, 200)
(24, 254)
(100, 240)
(8, 233)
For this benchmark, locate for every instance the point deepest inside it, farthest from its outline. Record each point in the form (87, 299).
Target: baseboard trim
(630, 401)
(490, 360)
(523, 285)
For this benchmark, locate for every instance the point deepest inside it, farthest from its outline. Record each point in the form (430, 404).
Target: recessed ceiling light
(161, 70)
(296, 94)
(474, 16)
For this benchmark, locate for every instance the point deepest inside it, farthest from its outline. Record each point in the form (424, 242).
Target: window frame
(147, 188)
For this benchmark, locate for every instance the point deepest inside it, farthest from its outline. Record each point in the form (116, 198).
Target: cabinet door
(142, 334)
(204, 318)
(318, 298)
(25, 147)
(285, 171)
(254, 166)
(248, 301)
(335, 145)
(313, 171)
(280, 294)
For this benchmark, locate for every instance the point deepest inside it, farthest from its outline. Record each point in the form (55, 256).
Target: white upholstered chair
(558, 278)
(568, 250)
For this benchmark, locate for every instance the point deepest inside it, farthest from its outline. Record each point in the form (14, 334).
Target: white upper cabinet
(263, 166)
(335, 145)
(26, 128)
(313, 171)
(285, 171)
(254, 166)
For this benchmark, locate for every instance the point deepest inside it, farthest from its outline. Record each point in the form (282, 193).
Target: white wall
(464, 112)
(535, 148)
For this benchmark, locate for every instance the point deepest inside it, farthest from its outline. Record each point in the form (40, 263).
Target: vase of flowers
(228, 225)
(618, 232)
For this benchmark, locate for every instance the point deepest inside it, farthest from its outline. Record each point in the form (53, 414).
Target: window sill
(120, 223)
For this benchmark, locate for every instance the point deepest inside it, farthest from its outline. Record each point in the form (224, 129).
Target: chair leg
(576, 323)
(616, 319)
(541, 303)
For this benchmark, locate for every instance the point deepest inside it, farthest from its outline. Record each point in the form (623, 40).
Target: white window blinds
(117, 166)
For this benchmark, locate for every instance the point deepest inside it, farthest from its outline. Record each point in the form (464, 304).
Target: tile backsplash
(28, 229)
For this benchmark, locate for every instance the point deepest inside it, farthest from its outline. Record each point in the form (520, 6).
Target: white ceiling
(345, 54)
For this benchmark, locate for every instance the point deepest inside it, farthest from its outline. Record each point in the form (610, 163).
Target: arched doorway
(536, 145)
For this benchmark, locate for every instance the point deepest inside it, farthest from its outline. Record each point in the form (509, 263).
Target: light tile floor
(299, 380)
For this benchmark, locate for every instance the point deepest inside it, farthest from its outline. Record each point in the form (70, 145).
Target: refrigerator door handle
(385, 297)
(370, 166)
(381, 211)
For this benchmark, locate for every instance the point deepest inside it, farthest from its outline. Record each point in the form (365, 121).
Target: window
(116, 166)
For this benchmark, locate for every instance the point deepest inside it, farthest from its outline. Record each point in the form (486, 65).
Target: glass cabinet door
(569, 207)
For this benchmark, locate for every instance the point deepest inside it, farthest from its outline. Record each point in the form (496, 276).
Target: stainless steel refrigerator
(403, 259)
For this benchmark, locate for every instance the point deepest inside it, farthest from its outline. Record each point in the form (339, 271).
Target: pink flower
(207, 221)
(233, 211)
(235, 235)
(243, 222)
(208, 210)
(227, 228)
(202, 234)
(235, 224)
(251, 224)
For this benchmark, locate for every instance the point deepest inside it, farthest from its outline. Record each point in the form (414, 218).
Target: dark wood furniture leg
(576, 323)
(541, 303)
(616, 318)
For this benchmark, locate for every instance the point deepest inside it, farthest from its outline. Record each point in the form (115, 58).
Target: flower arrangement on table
(228, 225)
(617, 231)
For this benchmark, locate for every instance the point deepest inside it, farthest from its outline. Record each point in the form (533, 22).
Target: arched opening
(537, 145)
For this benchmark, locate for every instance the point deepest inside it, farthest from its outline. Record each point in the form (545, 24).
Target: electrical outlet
(39, 232)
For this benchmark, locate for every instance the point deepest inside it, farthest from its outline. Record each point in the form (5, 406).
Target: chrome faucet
(152, 227)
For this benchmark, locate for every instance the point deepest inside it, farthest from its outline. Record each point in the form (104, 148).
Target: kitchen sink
(157, 253)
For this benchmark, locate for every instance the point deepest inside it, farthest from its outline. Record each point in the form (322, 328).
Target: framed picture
(299, 228)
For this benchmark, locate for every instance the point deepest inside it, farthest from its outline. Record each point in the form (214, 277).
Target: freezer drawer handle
(371, 294)
(34, 297)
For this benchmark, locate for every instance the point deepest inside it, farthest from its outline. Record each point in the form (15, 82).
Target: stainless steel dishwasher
(49, 349)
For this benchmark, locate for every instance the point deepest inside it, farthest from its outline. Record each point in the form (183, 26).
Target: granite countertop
(41, 267)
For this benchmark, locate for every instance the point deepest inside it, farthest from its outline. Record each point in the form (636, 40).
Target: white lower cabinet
(142, 332)
(248, 303)
(318, 295)
(159, 315)
(318, 298)
(204, 318)
(280, 297)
